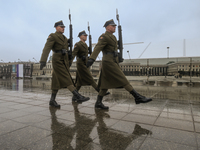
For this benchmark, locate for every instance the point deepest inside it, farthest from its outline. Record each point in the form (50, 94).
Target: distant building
(181, 66)
(16, 70)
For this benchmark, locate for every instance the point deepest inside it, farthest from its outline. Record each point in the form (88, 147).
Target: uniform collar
(111, 36)
(60, 35)
(108, 33)
(82, 43)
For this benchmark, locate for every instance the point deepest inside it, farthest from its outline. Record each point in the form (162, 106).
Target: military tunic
(61, 77)
(111, 73)
(83, 75)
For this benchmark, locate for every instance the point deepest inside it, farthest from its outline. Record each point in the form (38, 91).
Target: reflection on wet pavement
(170, 121)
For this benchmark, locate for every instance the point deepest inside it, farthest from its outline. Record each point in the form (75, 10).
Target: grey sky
(26, 24)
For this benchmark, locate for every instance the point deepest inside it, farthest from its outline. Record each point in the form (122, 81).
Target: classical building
(181, 66)
(16, 69)
(162, 66)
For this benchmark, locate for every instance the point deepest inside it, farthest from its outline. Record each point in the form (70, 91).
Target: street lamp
(129, 54)
(167, 52)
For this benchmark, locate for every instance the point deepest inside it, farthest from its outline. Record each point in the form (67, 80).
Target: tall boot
(74, 98)
(99, 103)
(139, 98)
(52, 101)
(97, 89)
(79, 98)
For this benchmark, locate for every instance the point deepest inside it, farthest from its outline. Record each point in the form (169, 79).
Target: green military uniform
(83, 75)
(61, 77)
(111, 74)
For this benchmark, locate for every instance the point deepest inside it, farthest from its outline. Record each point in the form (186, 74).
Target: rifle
(90, 41)
(70, 41)
(120, 43)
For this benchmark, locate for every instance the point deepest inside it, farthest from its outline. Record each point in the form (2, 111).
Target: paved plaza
(170, 122)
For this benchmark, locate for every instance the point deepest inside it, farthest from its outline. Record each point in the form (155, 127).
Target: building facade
(183, 66)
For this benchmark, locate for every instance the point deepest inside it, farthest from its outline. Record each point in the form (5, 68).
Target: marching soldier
(61, 77)
(83, 75)
(111, 74)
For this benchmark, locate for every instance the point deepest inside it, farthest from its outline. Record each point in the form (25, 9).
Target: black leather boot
(97, 89)
(74, 98)
(99, 103)
(139, 98)
(78, 97)
(52, 101)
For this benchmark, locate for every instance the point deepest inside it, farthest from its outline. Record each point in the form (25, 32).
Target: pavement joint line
(194, 125)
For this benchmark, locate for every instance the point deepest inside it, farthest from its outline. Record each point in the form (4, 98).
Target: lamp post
(129, 54)
(167, 52)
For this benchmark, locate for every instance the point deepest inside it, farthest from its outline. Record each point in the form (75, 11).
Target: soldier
(111, 74)
(83, 75)
(61, 77)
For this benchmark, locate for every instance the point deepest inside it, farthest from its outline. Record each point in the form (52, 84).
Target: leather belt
(115, 53)
(80, 57)
(83, 58)
(59, 51)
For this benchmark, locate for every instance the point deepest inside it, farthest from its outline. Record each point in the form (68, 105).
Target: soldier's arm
(47, 48)
(74, 52)
(102, 42)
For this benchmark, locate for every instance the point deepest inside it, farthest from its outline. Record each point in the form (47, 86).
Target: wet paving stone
(14, 114)
(116, 114)
(122, 108)
(146, 112)
(197, 119)
(43, 144)
(30, 119)
(196, 111)
(33, 109)
(156, 144)
(197, 127)
(174, 123)
(140, 118)
(176, 116)
(9, 126)
(170, 121)
(5, 109)
(25, 136)
(2, 119)
(20, 106)
(173, 135)
(198, 140)
(182, 109)
(132, 128)
(111, 139)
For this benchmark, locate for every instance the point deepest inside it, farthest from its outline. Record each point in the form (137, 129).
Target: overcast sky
(26, 24)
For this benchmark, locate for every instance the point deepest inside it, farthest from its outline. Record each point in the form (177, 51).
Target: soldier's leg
(100, 96)
(79, 98)
(138, 98)
(78, 88)
(74, 97)
(94, 85)
(52, 101)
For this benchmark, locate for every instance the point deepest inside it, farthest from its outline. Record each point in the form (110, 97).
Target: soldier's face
(111, 28)
(83, 37)
(60, 29)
